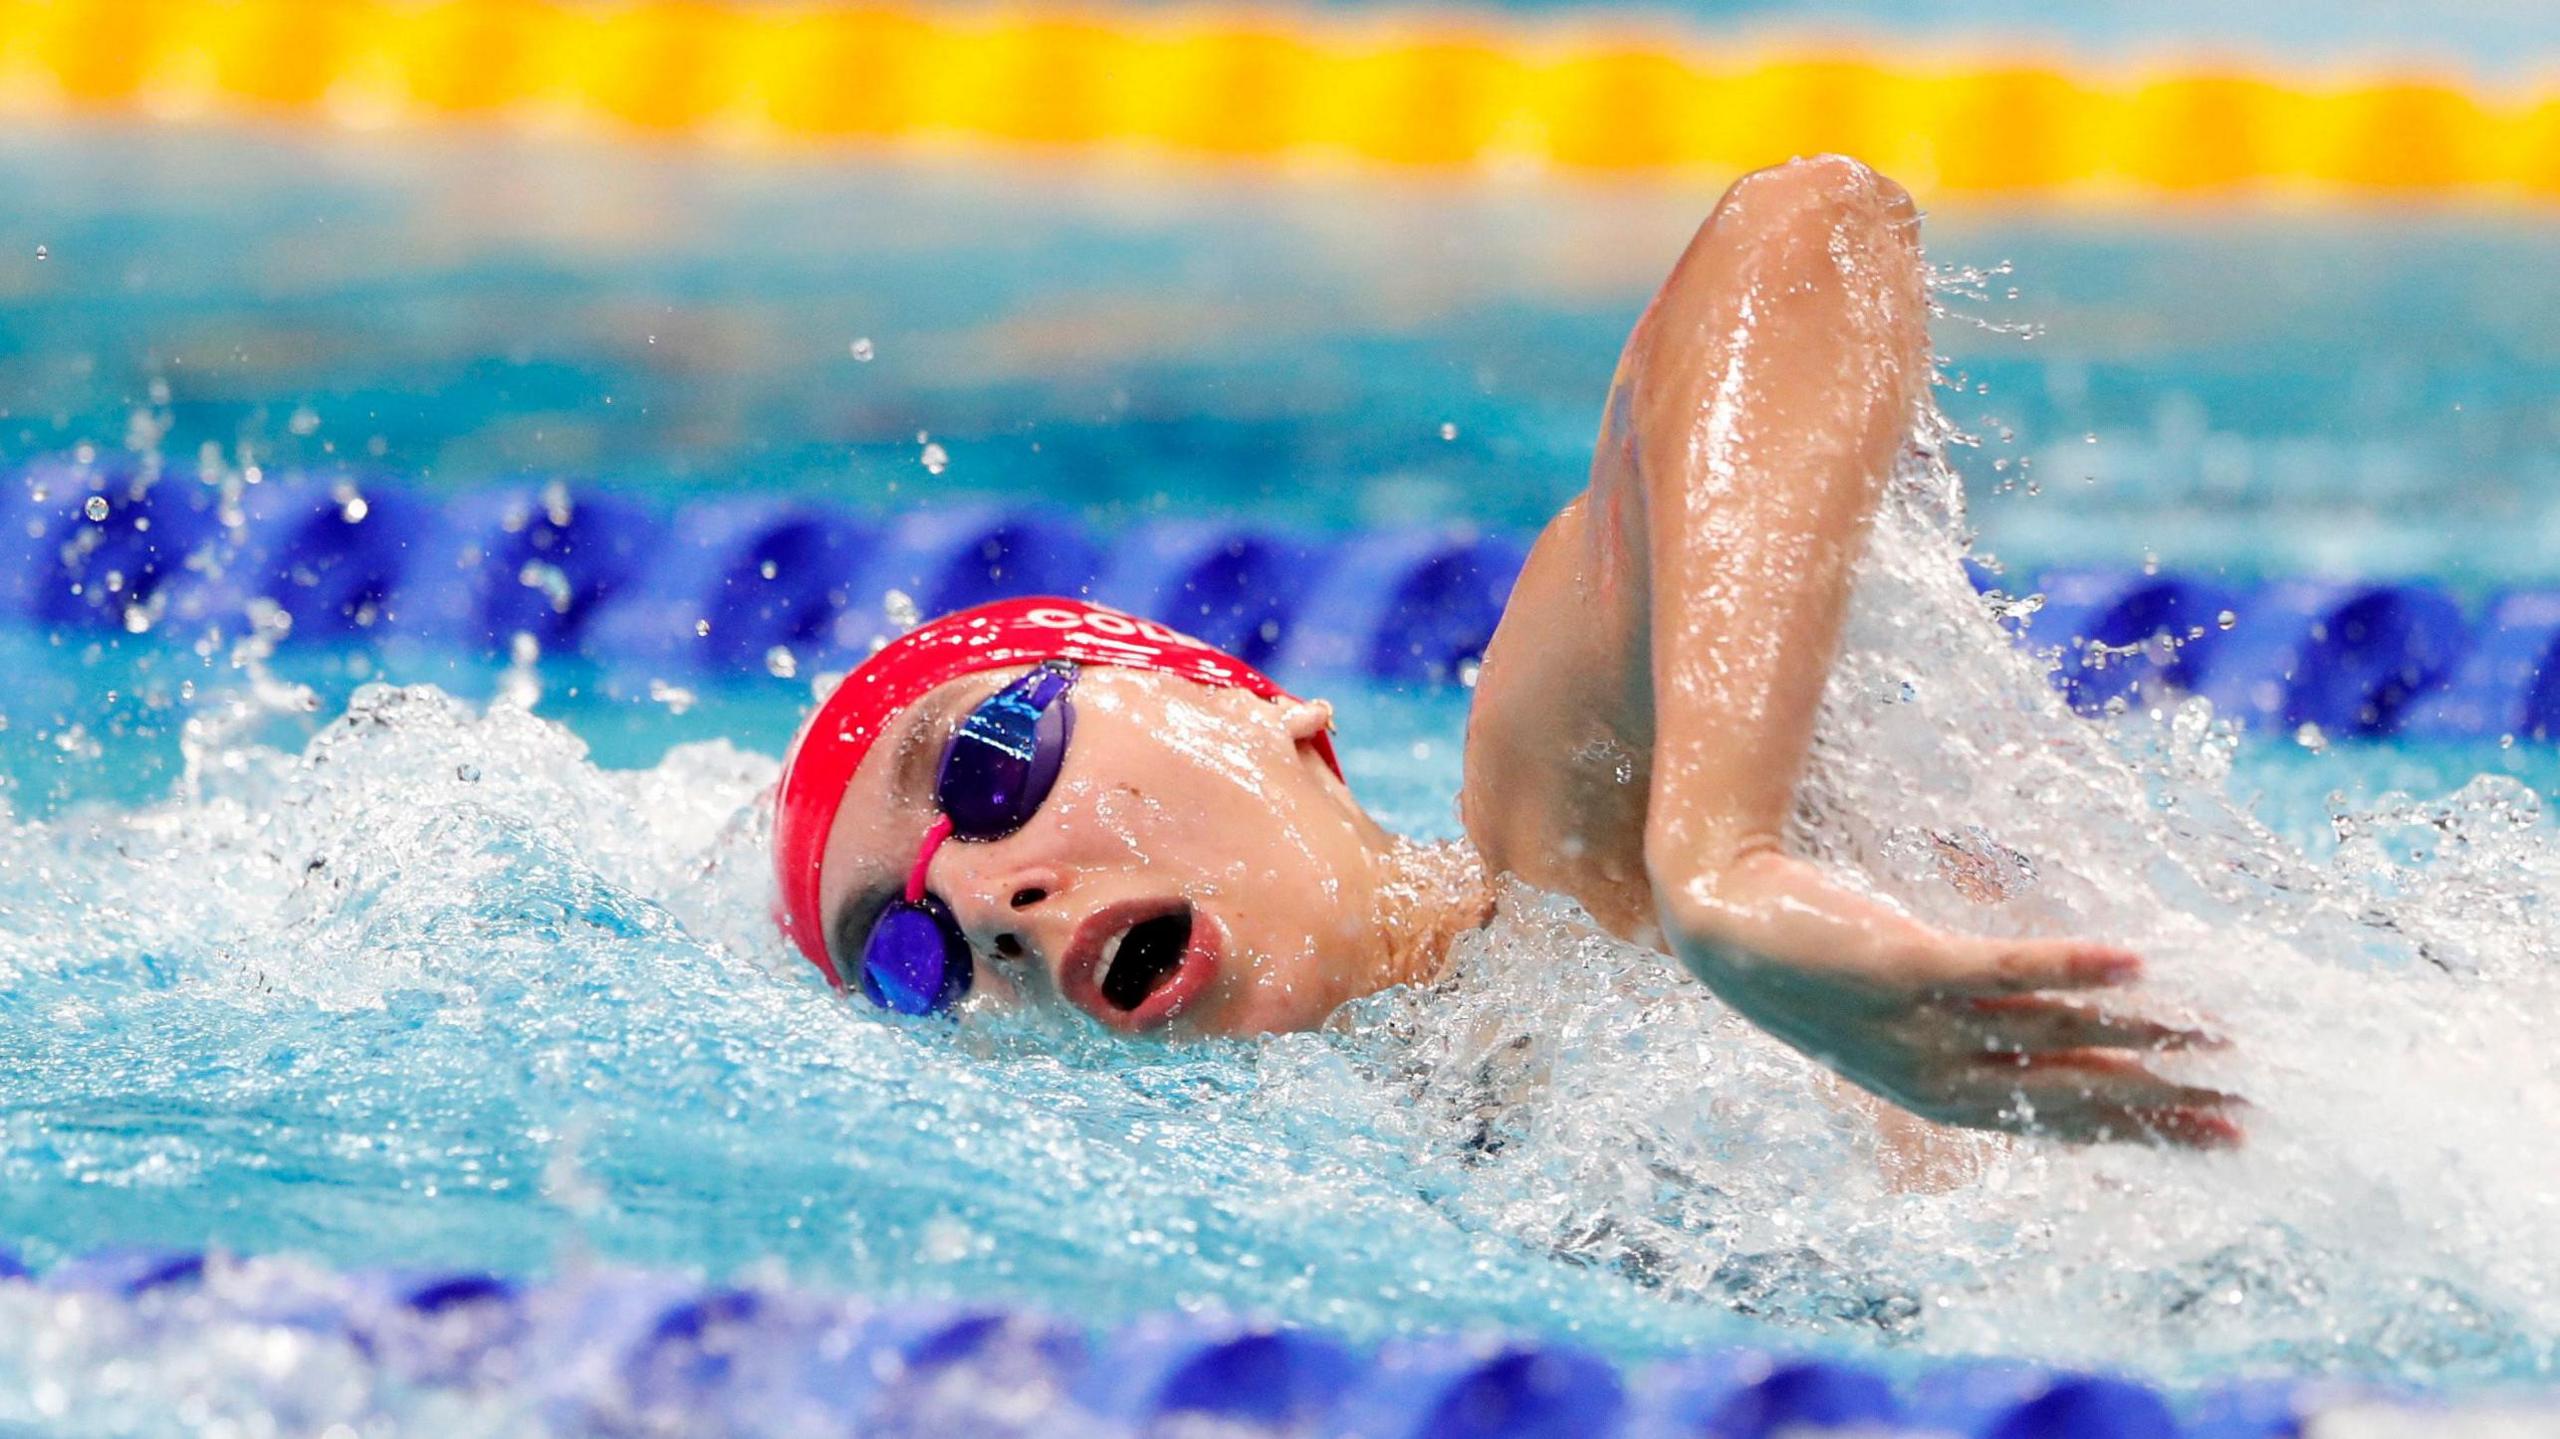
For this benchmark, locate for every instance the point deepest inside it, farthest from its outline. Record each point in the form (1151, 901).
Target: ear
(1305, 719)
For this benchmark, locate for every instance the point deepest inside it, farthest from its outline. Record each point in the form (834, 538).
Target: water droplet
(547, 578)
(901, 609)
(1448, 431)
(702, 628)
(43, 252)
(947, 1240)
(2226, 619)
(862, 350)
(935, 458)
(768, 569)
(96, 509)
(467, 772)
(781, 663)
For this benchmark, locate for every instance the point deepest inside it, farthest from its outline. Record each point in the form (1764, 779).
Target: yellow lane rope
(1441, 89)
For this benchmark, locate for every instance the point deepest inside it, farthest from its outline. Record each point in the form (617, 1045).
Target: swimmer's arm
(1757, 413)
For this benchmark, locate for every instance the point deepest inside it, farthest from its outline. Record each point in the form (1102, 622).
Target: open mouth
(1140, 964)
(1137, 963)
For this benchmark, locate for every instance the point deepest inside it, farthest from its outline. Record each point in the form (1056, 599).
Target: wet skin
(1639, 727)
(1181, 813)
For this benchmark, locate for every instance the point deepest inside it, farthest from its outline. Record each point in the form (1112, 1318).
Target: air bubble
(96, 508)
(862, 351)
(780, 663)
(935, 459)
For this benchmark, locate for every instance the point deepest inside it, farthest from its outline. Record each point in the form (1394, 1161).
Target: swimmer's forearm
(1771, 386)
(1758, 413)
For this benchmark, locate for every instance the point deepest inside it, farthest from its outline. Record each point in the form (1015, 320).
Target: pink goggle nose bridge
(934, 835)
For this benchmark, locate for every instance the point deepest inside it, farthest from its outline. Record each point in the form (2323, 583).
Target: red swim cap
(994, 636)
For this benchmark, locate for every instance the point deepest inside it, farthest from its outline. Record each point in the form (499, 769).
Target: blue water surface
(476, 968)
(2336, 389)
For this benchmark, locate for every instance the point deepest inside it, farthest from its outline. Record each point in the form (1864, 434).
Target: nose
(1004, 903)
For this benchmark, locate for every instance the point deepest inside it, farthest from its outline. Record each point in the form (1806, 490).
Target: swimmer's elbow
(1827, 197)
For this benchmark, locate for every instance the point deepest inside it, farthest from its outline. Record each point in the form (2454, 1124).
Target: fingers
(1997, 967)
(2188, 1128)
(2092, 1097)
(2032, 1024)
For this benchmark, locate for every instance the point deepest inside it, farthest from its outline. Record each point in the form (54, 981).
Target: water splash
(424, 982)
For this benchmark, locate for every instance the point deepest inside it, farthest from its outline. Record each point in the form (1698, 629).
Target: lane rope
(1601, 94)
(621, 1351)
(747, 585)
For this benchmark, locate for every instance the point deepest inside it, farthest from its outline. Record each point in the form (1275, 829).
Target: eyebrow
(916, 759)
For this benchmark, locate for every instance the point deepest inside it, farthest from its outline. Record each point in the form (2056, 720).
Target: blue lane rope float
(621, 1351)
(795, 587)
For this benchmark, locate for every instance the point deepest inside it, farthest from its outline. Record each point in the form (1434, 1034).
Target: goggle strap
(934, 835)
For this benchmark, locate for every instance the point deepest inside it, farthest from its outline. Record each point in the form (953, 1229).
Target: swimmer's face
(1197, 869)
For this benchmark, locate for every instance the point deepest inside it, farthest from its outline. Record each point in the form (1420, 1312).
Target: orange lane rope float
(1442, 89)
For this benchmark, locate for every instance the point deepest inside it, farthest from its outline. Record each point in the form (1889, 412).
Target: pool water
(2325, 390)
(474, 967)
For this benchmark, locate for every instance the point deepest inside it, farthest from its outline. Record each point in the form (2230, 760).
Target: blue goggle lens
(995, 775)
(915, 961)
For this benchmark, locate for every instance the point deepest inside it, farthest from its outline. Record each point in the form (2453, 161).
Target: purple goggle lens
(998, 770)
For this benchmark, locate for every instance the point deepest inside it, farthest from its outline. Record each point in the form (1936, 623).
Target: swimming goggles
(996, 773)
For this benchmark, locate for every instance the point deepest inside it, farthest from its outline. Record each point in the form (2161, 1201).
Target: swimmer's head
(1147, 829)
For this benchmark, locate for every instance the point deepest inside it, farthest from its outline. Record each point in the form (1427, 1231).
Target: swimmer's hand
(1985, 1033)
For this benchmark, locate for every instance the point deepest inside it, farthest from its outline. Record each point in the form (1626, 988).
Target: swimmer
(1047, 801)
